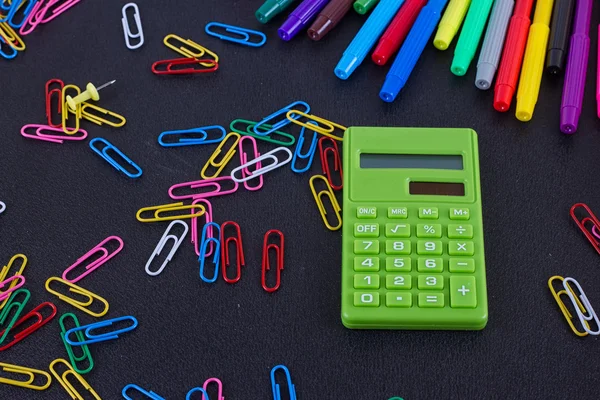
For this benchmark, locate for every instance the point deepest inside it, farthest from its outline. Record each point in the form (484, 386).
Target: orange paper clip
(266, 265)
(337, 161)
(178, 66)
(239, 251)
(40, 321)
(588, 224)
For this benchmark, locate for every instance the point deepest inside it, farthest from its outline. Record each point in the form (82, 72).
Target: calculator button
(428, 213)
(430, 300)
(366, 299)
(462, 292)
(397, 264)
(430, 265)
(366, 264)
(462, 265)
(429, 231)
(398, 299)
(366, 247)
(433, 247)
(397, 247)
(397, 230)
(431, 282)
(366, 212)
(397, 212)
(364, 281)
(461, 248)
(366, 230)
(460, 231)
(460, 213)
(398, 282)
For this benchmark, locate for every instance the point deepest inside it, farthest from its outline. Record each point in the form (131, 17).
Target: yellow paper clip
(328, 192)
(185, 51)
(4, 274)
(29, 372)
(66, 111)
(97, 118)
(82, 305)
(11, 37)
(321, 125)
(577, 304)
(163, 208)
(62, 379)
(220, 165)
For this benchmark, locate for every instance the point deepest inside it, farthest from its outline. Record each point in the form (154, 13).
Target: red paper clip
(590, 218)
(49, 93)
(337, 161)
(239, 249)
(40, 321)
(266, 266)
(178, 62)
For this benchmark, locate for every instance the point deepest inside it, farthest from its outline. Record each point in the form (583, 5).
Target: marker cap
(290, 28)
(503, 95)
(555, 61)
(568, 119)
(346, 66)
(384, 48)
(267, 11)
(320, 27)
(444, 36)
(485, 74)
(391, 87)
(460, 64)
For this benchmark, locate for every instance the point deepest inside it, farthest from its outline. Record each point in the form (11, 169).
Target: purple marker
(576, 68)
(300, 17)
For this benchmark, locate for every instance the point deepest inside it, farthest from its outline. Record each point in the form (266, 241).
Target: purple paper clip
(195, 239)
(39, 135)
(244, 159)
(214, 182)
(105, 255)
(5, 295)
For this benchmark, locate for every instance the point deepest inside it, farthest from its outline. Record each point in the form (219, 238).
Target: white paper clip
(127, 30)
(584, 315)
(2, 207)
(264, 168)
(161, 245)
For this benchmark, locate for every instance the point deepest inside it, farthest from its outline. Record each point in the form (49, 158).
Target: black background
(63, 200)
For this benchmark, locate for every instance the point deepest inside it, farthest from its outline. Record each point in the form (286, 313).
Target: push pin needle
(91, 92)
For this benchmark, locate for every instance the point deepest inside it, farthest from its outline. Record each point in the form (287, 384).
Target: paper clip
(98, 119)
(186, 140)
(194, 234)
(219, 384)
(310, 154)
(327, 192)
(259, 127)
(245, 34)
(46, 15)
(16, 282)
(186, 45)
(87, 355)
(85, 305)
(244, 159)
(337, 161)
(188, 396)
(239, 251)
(221, 164)
(103, 153)
(320, 125)
(62, 379)
(40, 321)
(266, 265)
(49, 93)
(31, 22)
(11, 37)
(16, 6)
(102, 337)
(203, 184)
(138, 26)
(30, 376)
(275, 386)
(104, 256)
(263, 169)
(171, 66)
(5, 55)
(39, 135)
(148, 394)
(203, 251)
(588, 218)
(18, 305)
(65, 111)
(249, 131)
(2, 208)
(579, 307)
(164, 208)
(161, 245)
(4, 271)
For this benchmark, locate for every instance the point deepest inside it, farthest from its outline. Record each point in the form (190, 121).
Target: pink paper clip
(588, 224)
(203, 184)
(105, 255)
(219, 388)
(31, 22)
(45, 15)
(244, 159)
(39, 135)
(5, 295)
(195, 239)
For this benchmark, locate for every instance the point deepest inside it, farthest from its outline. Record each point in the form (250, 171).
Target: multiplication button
(398, 299)
(461, 248)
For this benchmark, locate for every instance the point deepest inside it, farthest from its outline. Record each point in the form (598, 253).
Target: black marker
(560, 34)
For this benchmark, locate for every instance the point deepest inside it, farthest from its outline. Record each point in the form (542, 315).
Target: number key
(397, 264)
(366, 264)
(364, 281)
(433, 247)
(431, 282)
(397, 230)
(398, 282)
(430, 265)
(397, 247)
(366, 247)
(366, 299)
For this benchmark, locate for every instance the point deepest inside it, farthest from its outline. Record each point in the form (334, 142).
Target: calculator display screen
(418, 161)
(437, 188)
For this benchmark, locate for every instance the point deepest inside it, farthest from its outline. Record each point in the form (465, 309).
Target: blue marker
(411, 49)
(367, 36)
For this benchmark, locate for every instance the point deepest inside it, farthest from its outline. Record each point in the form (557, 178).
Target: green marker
(364, 6)
(271, 8)
(470, 36)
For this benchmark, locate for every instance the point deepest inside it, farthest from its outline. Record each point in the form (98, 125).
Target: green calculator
(412, 252)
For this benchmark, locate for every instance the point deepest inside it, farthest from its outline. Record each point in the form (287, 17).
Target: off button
(366, 212)
(366, 230)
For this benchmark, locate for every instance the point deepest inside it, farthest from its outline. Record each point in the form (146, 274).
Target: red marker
(512, 56)
(394, 35)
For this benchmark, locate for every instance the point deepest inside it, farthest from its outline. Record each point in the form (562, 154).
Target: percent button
(429, 230)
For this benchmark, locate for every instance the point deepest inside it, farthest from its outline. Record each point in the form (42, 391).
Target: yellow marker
(91, 92)
(98, 119)
(450, 23)
(62, 379)
(533, 63)
(78, 290)
(4, 274)
(30, 373)
(316, 124)
(163, 208)
(327, 192)
(220, 165)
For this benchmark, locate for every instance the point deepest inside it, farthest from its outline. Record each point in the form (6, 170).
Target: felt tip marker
(560, 29)
(300, 17)
(450, 23)
(364, 6)
(270, 9)
(327, 19)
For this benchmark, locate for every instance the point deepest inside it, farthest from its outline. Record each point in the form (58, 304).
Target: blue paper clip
(103, 153)
(5, 5)
(9, 306)
(275, 385)
(277, 125)
(310, 154)
(197, 389)
(16, 4)
(217, 250)
(102, 337)
(150, 395)
(192, 141)
(6, 55)
(236, 30)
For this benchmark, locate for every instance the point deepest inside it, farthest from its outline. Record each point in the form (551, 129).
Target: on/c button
(366, 212)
